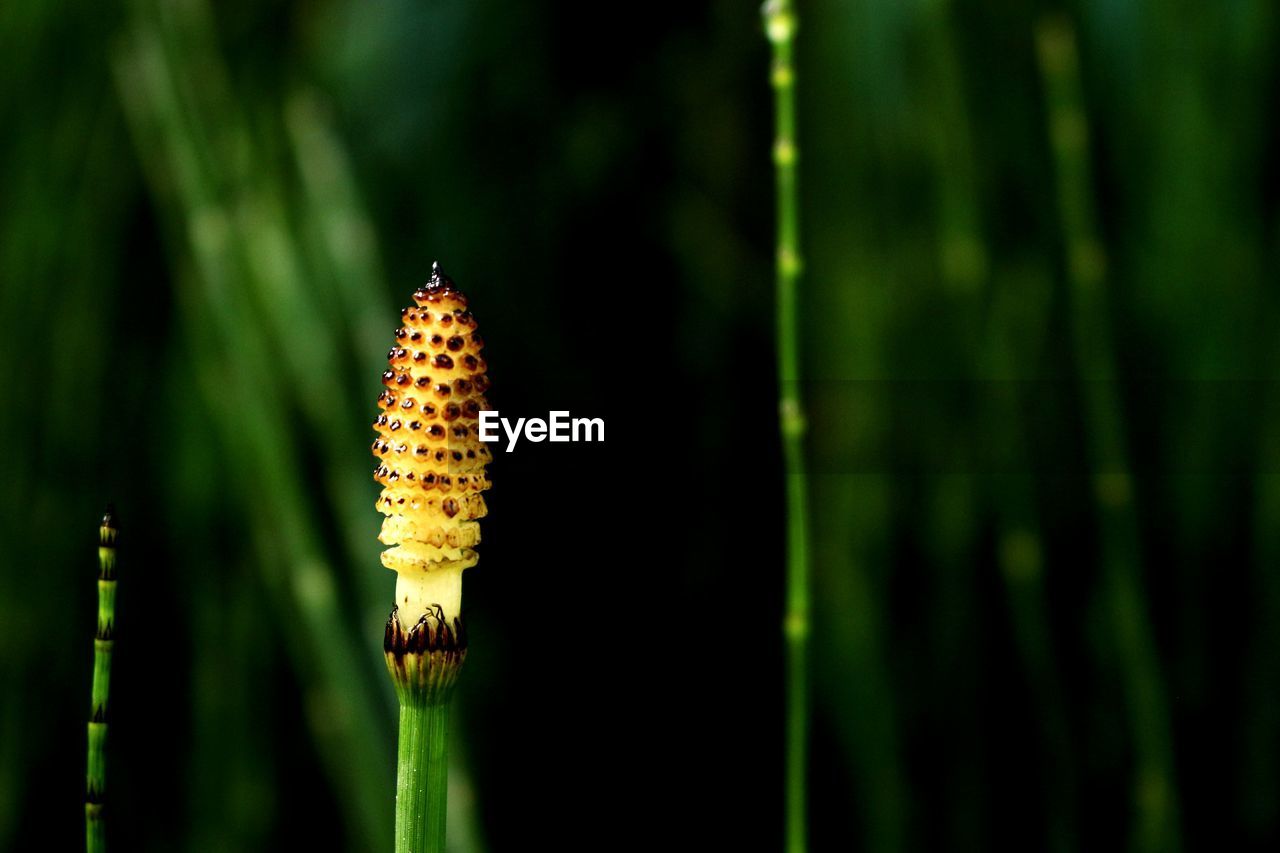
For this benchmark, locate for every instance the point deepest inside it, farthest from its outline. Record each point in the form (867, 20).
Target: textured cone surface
(431, 462)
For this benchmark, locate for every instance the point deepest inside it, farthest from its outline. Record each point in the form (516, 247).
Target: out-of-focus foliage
(210, 215)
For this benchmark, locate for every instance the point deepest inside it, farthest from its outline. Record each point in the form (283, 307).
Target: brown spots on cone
(432, 474)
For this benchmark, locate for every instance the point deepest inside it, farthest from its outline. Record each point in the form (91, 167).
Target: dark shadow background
(210, 215)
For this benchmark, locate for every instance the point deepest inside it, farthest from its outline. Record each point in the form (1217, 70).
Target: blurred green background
(1039, 316)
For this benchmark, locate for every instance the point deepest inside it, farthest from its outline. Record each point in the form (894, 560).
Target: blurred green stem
(215, 186)
(780, 26)
(1155, 800)
(422, 777)
(95, 835)
(1003, 328)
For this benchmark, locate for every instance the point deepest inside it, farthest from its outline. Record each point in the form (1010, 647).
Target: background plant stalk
(780, 27)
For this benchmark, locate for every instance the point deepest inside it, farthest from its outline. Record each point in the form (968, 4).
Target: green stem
(1155, 798)
(422, 777)
(96, 775)
(423, 663)
(780, 26)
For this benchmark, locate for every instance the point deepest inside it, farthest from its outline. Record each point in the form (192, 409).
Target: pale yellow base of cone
(420, 591)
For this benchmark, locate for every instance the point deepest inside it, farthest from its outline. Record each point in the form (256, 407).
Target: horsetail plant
(95, 835)
(431, 465)
(780, 27)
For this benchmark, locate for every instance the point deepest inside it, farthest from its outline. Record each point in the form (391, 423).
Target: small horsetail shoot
(96, 776)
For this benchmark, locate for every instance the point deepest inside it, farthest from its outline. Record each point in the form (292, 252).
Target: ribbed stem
(424, 662)
(1154, 792)
(96, 774)
(422, 777)
(780, 26)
